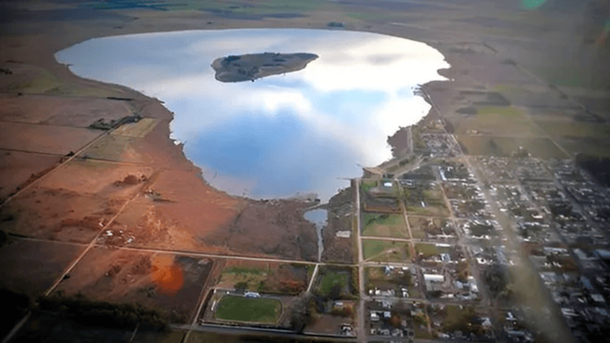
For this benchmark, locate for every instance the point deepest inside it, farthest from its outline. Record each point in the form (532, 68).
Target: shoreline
(202, 168)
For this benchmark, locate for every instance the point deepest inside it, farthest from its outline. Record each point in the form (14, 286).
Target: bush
(93, 312)
(344, 311)
(354, 280)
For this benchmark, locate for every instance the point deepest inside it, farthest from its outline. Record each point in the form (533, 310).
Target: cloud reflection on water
(283, 134)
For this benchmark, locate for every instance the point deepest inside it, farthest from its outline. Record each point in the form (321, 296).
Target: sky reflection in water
(283, 134)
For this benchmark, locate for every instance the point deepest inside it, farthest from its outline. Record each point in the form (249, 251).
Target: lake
(296, 133)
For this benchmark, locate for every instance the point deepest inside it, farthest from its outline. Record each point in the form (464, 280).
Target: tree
(241, 286)
(302, 312)
(395, 321)
(497, 280)
(335, 292)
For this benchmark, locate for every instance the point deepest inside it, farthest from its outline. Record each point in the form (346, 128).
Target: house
(372, 172)
(374, 316)
(433, 282)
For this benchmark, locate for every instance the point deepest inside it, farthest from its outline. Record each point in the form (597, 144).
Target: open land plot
(32, 267)
(118, 148)
(507, 146)
(455, 318)
(338, 282)
(243, 309)
(425, 199)
(381, 203)
(500, 121)
(73, 203)
(338, 249)
(591, 146)
(368, 184)
(30, 79)
(60, 111)
(333, 278)
(430, 227)
(58, 215)
(385, 251)
(384, 225)
(264, 277)
(426, 251)
(181, 213)
(534, 95)
(275, 228)
(327, 323)
(138, 129)
(48, 139)
(573, 129)
(170, 283)
(19, 168)
(339, 241)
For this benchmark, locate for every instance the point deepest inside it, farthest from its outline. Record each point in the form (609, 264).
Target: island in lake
(255, 66)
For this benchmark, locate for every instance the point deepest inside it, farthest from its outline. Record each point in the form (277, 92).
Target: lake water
(300, 132)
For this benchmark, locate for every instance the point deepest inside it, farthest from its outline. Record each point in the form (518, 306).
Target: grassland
(38, 80)
(139, 129)
(428, 250)
(366, 185)
(425, 200)
(385, 251)
(384, 225)
(420, 226)
(283, 278)
(331, 279)
(242, 309)
(506, 146)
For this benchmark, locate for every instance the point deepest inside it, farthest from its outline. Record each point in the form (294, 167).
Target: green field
(385, 251)
(384, 225)
(366, 185)
(431, 249)
(431, 209)
(427, 249)
(432, 197)
(506, 146)
(241, 309)
(332, 278)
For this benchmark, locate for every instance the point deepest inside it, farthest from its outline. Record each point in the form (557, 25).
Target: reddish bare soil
(169, 282)
(17, 167)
